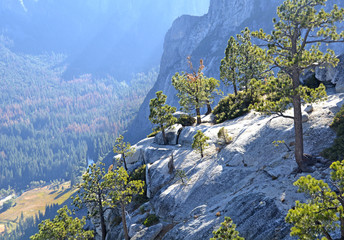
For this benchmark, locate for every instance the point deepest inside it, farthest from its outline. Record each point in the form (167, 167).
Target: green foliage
(182, 176)
(153, 134)
(277, 95)
(223, 136)
(151, 220)
(140, 174)
(338, 122)
(323, 212)
(122, 190)
(63, 227)
(240, 63)
(227, 231)
(194, 89)
(200, 142)
(233, 106)
(49, 127)
(93, 191)
(123, 148)
(28, 226)
(294, 46)
(336, 151)
(161, 113)
(186, 120)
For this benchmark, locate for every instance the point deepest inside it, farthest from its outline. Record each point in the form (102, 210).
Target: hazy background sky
(116, 37)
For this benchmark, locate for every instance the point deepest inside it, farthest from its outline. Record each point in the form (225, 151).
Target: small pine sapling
(200, 142)
(227, 231)
(123, 148)
(182, 176)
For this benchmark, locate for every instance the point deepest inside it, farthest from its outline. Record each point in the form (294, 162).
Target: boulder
(305, 117)
(340, 86)
(135, 228)
(325, 73)
(309, 109)
(171, 133)
(148, 233)
(210, 118)
(178, 114)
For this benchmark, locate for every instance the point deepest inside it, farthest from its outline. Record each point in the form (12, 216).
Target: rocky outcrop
(171, 134)
(333, 75)
(250, 179)
(206, 37)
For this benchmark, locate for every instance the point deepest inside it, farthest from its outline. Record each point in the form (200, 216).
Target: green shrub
(186, 120)
(223, 136)
(336, 151)
(227, 231)
(232, 107)
(140, 174)
(151, 220)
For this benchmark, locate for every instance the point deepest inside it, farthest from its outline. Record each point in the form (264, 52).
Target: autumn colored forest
(51, 127)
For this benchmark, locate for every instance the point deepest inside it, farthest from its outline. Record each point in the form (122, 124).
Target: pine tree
(63, 227)
(195, 90)
(200, 142)
(323, 212)
(161, 113)
(240, 63)
(93, 193)
(123, 148)
(121, 191)
(293, 46)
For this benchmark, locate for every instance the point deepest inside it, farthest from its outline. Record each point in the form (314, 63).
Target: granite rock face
(250, 179)
(203, 37)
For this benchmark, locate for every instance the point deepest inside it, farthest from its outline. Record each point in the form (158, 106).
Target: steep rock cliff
(205, 37)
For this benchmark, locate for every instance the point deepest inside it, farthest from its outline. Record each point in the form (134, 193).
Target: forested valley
(50, 127)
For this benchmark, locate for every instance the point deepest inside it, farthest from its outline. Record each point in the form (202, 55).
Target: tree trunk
(102, 220)
(201, 151)
(125, 163)
(298, 132)
(208, 108)
(163, 134)
(198, 113)
(235, 89)
(125, 228)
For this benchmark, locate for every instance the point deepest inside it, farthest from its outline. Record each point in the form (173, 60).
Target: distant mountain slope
(205, 37)
(50, 127)
(100, 37)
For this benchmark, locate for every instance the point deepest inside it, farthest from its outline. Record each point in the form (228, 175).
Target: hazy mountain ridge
(100, 37)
